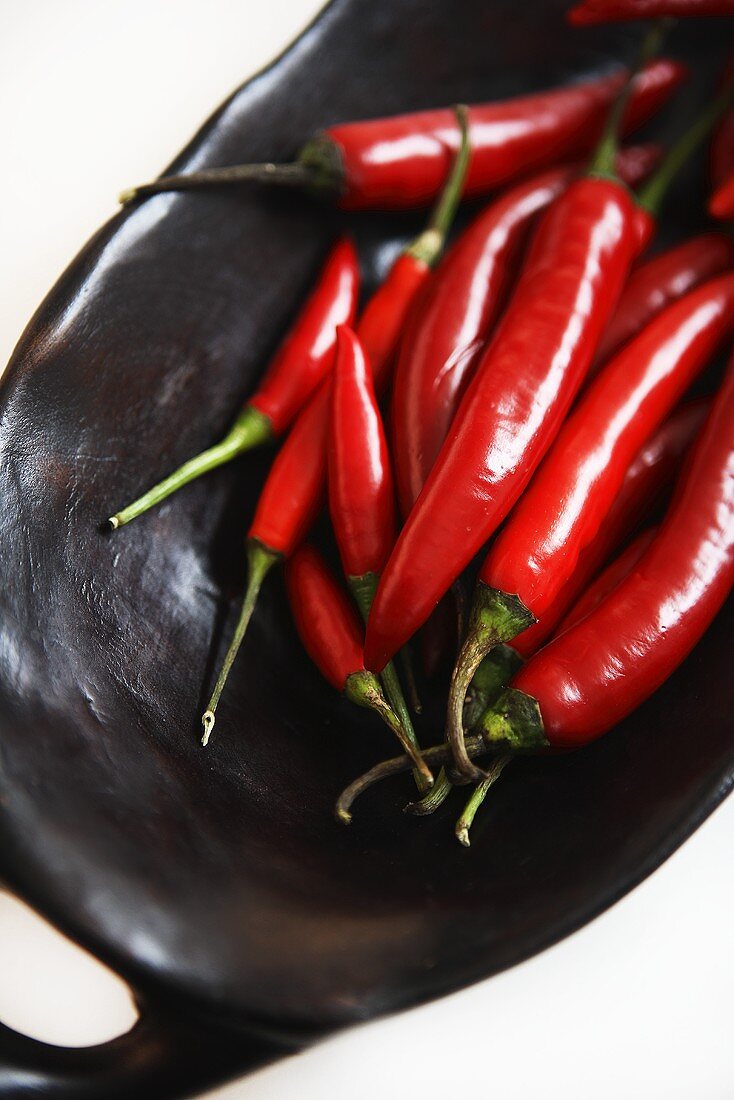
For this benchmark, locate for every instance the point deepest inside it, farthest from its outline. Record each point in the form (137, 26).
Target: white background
(94, 96)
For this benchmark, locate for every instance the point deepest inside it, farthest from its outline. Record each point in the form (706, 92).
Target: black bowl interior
(217, 882)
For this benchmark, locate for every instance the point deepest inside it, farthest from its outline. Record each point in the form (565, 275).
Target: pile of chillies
(522, 395)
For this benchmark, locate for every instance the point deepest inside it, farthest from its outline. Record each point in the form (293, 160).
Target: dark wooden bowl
(216, 882)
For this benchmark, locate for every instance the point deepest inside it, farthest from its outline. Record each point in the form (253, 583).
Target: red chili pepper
(303, 359)
(620, 11)
(332, 635)
(592, 676)
(653, 285)
(292, 494)
(442, 345)
(654, 468)
(721, 203)
(508, 139)
(306, 356)
(400, 162)
(361, 491)
(608, 579)
(536, 554)
(325, 619)
(361, 495)
(446, 334)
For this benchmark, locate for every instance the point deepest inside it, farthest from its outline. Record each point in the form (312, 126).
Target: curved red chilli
(361, 497)
(325, 618)
(651, 472)
(399, 162)
(657, 282)
(592, 676)
(570, 282)
(306, 355)
(619, 11)
(617, 570)
(447, 331)
(537, 551)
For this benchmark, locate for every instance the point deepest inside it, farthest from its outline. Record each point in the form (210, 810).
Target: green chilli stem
(364, 588)
(496, 617)
(604, 160)
(439, 754)
(651, 196)
(394, 692)
(318, 169)
(513, 723)
(435, 798)
(250, 430)
(429, 244)
(488, 683)
(478, 795)
(297, 174)
(260, 560)
(363, 688)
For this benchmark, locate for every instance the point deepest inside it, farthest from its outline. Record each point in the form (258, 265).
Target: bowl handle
(158, 1058)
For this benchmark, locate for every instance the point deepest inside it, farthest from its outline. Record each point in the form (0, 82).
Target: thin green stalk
(490, 680)
(290, 175)
(478, 795)
(364, 689)
(655, 190)
(435, 798)
(364, 588)
(496, 617)
(260, 561)
(429, 245)
(438, 754)
(251, 429)
(604, 160)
